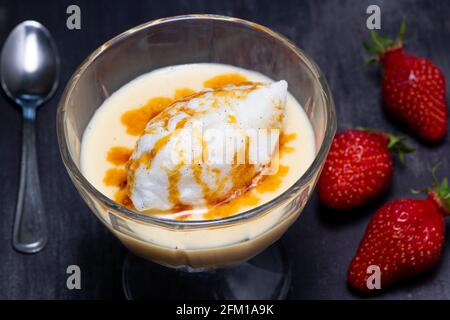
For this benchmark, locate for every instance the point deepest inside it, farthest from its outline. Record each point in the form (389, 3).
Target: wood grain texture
(321, 243)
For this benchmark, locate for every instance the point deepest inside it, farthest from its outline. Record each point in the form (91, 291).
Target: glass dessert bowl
(209, 243)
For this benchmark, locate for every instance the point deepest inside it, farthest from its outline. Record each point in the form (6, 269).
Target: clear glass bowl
(181, 40)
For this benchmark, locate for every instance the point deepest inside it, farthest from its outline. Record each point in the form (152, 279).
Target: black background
(321, 243)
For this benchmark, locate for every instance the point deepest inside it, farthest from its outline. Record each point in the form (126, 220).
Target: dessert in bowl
(127, 130)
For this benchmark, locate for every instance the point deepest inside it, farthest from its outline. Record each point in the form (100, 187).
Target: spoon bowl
(29, 64)
(29, 76)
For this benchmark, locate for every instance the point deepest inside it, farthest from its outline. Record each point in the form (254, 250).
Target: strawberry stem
(398, 146)
(381, 44)
(395, 144)
(433, 173)
(442, 190)
(439, 193)
(402, 32)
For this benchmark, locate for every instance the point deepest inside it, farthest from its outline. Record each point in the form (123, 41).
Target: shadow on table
(332, 218)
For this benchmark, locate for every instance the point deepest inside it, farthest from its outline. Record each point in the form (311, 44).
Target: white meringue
(166, 171)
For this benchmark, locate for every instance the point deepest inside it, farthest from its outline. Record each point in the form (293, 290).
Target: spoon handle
(29, 232)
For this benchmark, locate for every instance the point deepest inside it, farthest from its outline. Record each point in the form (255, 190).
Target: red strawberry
(404, 238)
(358, 167)
(413, 88)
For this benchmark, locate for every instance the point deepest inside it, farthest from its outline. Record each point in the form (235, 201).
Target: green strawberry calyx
(395, 144)
(381, 44)
(439, 192)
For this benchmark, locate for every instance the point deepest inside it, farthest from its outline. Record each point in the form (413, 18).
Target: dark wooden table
(321, 243)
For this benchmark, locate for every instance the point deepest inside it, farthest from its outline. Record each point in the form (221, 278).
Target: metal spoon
(29, 76)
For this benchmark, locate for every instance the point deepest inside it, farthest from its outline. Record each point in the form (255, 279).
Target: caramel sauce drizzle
(226, 209)
(116, 177)
(267, 183)
(284, 141)
(231, 119)
(121, 197)
(270, 183)
(148, 157)
(183, 93)
(174, 177)
(135, 121)
(225, 80)
(119, 155)
(197, 172)
(183, 217)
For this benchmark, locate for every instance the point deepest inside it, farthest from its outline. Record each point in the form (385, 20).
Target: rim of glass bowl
(313, 168)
